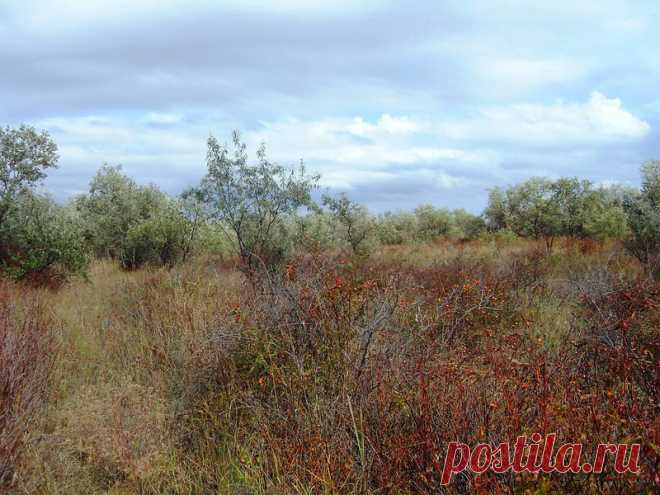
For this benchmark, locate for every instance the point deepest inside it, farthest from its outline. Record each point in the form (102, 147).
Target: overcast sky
(397, 103)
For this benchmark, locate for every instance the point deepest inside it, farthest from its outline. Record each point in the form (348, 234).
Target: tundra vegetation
(243, 339)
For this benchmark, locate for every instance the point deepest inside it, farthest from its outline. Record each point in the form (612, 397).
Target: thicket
(350, 376)
(332, 370)
(264, 213)
(39, 239)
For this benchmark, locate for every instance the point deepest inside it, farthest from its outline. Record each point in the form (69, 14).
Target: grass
(337, 375)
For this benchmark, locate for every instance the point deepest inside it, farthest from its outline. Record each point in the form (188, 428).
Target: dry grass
(345, 375)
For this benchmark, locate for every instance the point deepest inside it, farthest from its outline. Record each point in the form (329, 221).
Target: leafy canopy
(25, 155)
(249, 200)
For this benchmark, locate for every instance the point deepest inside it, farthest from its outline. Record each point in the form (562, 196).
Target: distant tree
(534, 211)
(114, 205)
(606, 216)
(574, 203)
(467, 225)
(643, 211)
(497, 213)
(25, 155)
(432, 222)
(36, 235)
(42, 236)
(354, 219)
(396, 227)
(249, 201)
(315, 230)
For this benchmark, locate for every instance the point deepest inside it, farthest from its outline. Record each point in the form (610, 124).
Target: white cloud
(387, 151)
(516, 74)
(599, 120)
(386, 124)
(160, 118)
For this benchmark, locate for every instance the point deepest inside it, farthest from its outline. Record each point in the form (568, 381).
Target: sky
(396, 103)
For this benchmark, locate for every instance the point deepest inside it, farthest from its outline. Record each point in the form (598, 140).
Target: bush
(164, 239)
(354, 224)
(468, 226)
(138, 224)
(250, 201)
(114, 205)
(643, 212)
(432, 222)
(40, 238)
(396, 228)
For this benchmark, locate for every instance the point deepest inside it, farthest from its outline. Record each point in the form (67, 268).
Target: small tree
(249, 201)
(432, 222)
(497, 211)
(396, 227)
(165, 238)
(605, 214)
(114, 205)
(25, 155)
(468, 226)
(354, 220)
(534, 210)
(643, 212)
(42, 237)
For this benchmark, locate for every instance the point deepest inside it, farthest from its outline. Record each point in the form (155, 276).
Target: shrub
(353, 221)
(24, 157)
(249, 201)
(396, 228)
(42, 238)
(468, 226)
(164, 239)
(643, 212)
(114, 205)
(432, 222)
(38, 239)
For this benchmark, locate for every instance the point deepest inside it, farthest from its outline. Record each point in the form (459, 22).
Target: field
(336, 375)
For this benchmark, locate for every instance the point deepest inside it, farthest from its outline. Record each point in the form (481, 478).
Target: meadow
(336, 374)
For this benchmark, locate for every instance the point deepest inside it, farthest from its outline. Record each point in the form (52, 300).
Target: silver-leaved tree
(250, 200)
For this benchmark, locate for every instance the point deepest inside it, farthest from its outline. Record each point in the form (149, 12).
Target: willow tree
(249, 200)
(25, 155)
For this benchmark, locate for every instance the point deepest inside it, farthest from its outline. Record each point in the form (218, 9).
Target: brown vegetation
(336, 375)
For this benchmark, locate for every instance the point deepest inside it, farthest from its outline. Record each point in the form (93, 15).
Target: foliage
(114, 205)
(643, 212)
(544, 209)
(497, 211)
(396, 227)
(249, 201)
(165, 238)
(353, 221)
(352, 377)
(467, 225)
(37, 237)
(40, 235)
(25, 155)
(138, 224)
(432, 222)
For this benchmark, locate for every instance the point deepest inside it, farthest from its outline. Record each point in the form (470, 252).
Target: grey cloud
(252, 66)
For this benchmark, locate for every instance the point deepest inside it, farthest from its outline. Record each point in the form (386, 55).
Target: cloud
(386, 125)
(599, 120)
(434, 101)
(160, 118)
(510, 75)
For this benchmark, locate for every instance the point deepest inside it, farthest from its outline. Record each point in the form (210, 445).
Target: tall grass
(342, 375)
(27, 352)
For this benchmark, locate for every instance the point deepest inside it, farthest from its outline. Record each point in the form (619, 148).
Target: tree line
(263, 212)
